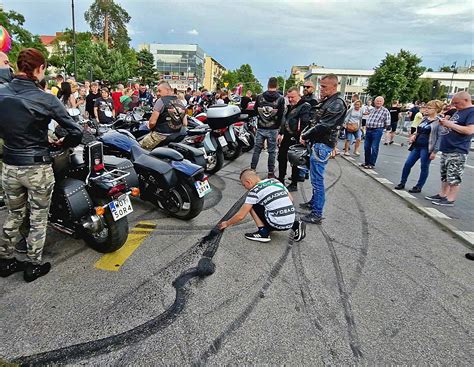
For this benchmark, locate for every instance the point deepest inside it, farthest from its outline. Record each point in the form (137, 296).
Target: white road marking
(383, 180)
(435, 213)
(403, 194)
(350, 158)
(371, 171)
(468, 166)
(468, 235)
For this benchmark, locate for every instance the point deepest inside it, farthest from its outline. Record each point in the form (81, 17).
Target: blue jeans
(318, 162)
(417, 153)
(371, 145)
(270, 135)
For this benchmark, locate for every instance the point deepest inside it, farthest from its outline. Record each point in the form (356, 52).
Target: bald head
(249, 178)
(4, 62)
(461, 100)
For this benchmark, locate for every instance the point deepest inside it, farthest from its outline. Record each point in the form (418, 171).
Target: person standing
(56, 90)
(91, 98)
(6, 75)
(456, 134)
(424, 145)
(126, 99)
(394, 117)
(270, 108)
(366, 110)
(144, 96)
(67, 97)
(352, 124)
(308, 94)
(27, 174)
(378, 119)
(296, 120)
(245, 100)
(322, 134)
(81, 101)
(104, 111)
(116, 98)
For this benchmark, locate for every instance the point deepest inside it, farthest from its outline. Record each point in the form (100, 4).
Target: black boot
(292, 187)
(34, 271)
(10, 266)
(400, 186)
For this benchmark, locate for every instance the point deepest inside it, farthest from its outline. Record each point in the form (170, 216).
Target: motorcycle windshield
(188, 168)
(118, 140)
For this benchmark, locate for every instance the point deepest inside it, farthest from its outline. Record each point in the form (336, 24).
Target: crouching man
(271, 207)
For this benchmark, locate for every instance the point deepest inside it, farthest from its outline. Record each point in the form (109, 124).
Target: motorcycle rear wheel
(233, 153)
(217, 161)
(189, 201)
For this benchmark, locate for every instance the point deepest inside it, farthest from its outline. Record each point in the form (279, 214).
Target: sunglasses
(307, 86)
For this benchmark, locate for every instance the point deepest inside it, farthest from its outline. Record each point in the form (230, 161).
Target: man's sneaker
(34, 271)
(312, 218)
(470, 255)
(399, 187)
(436, 197)
(415, 189)
(21, 246)
(256, 236)
(10, 266)
(292, 187)
(307, 205)
(443, 202)
(300, 232)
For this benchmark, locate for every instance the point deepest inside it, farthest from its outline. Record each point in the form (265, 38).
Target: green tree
(446, 69)
(291, 82)
(396, 78)
(146, 67)
(108, 21)
(243, 75)
(21, 38)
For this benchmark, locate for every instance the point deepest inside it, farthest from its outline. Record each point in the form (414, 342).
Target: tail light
(201, 118)
(199, 138)
(221, 131)
(117, 189)
(238, 124)
(99, 167)
(135, 192)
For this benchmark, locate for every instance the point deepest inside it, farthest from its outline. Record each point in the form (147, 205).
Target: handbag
(352, 127)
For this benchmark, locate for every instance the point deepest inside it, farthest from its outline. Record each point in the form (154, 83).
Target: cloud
(171, 30)
(193, 32)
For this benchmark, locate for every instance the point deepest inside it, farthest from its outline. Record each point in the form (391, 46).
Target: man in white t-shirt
(271, 207)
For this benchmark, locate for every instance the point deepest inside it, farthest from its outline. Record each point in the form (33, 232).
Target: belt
(374, 128)
(23, 160)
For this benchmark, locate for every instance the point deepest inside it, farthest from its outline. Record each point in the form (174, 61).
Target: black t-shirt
(171, 114)
(414, 111)
(394, 111)
(104, 110)
(90, 103)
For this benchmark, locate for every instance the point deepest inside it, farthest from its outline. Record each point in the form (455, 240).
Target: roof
(47, 40)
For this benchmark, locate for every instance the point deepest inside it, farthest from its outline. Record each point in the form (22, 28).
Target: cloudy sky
(273, 35)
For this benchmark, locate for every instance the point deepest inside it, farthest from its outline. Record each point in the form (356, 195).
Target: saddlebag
(192, 154)
(70, 200)
(123, 164)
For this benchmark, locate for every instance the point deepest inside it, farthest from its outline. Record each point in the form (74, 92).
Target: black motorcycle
(89, 201)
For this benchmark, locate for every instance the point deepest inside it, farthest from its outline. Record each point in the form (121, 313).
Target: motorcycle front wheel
(215, 161)
(111, 238)
(185, 201)
(233, 152)
(251, 140)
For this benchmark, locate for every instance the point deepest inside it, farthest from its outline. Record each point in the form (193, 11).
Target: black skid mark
(116, 342)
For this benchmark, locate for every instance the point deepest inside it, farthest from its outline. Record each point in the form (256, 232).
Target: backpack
(267, 111)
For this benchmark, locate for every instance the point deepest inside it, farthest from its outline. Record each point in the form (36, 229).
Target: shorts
(354, 136)
(452, 167)
(260, 211)
(393, 127)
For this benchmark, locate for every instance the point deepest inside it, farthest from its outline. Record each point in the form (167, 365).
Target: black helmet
(298, 155)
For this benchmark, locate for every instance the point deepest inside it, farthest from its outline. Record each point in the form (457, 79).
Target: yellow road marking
(114, 260)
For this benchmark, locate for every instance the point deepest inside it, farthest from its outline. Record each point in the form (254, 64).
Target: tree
(108, 22)
(146, 67)
(396, 78)
(243, 75)
(446, 69)
(21, 38)
(291, 82)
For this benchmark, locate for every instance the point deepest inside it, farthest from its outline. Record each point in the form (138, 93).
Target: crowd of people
(286, 123)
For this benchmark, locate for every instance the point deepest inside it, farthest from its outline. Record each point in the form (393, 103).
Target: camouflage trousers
(26, 186)
(452, 167)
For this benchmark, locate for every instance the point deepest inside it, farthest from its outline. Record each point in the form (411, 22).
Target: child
(271, 207)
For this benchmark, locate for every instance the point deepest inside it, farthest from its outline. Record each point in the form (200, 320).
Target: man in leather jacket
(296, 120)
(27, 175)
(322, 134)
(6, 76)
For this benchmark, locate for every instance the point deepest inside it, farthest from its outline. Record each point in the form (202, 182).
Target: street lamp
(74, 39)
(453, 67)
(284, 80)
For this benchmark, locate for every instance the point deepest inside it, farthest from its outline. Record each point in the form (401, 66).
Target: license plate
(203, 188)
(222, 141)
(120, 207)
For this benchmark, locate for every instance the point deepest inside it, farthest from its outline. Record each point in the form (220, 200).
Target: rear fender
(187, 168)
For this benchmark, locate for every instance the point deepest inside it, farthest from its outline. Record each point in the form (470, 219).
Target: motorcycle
(89, 201)
(166, 179)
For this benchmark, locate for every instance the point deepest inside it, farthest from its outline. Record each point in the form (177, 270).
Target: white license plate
(203, 188)
(222, 141)
(120, 207)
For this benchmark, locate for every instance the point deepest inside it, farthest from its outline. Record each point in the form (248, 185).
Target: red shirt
(116, 98)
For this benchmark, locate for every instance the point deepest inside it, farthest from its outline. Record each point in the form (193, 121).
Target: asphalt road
(374, 284)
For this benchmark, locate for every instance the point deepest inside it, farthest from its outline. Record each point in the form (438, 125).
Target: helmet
(298, 155)
(235, 98)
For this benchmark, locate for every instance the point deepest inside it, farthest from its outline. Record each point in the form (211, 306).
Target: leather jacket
(326, 120)
(26, 112)
(296, 119)
(6, 75)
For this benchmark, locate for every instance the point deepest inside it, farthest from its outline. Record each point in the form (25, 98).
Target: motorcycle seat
(136, 151)
(167, 153)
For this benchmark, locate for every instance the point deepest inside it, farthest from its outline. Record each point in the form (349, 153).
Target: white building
(353, 81)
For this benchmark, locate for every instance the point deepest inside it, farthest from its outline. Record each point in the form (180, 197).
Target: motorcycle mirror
(73, 112)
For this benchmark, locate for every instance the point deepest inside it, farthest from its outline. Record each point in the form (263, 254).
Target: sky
(273, 35)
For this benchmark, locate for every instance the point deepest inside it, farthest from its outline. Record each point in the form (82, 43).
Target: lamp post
(453, 67)
(74, 40)
(284, 80)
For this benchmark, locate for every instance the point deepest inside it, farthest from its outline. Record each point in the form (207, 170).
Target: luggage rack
(110, 177)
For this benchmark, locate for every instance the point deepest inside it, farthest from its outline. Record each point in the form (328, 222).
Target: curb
(415, 204)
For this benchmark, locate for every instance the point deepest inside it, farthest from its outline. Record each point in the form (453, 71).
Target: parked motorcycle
(89, 201)
(166, 178)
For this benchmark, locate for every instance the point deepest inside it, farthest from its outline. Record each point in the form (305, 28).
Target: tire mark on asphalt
(134, 335)
(345, 298)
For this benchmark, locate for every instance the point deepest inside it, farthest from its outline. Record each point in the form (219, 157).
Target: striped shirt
(378, 118)
(279, 209)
